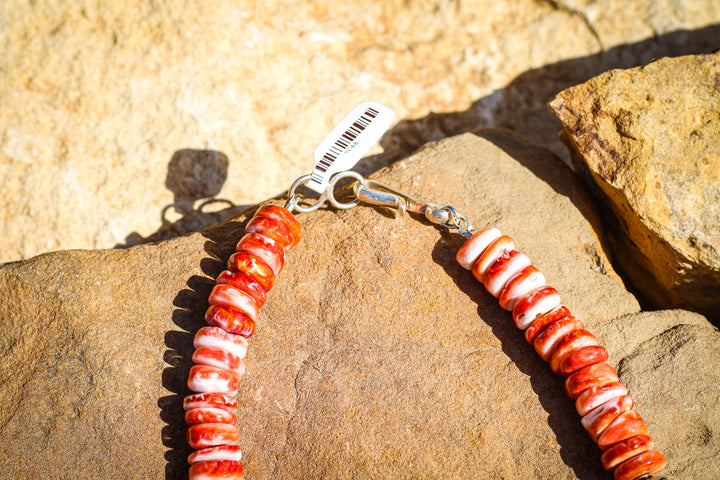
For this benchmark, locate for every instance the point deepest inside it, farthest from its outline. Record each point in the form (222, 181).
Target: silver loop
(291, 194)
(331, 189)
(292, 202)
(466, 232)
(452, 215)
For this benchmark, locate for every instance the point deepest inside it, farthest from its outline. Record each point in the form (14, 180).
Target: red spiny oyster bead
(590, 376)
(583, 357)
(210, 400)
(204, 435)
(218, 338)
(216, 470)
(230, 320)
(529, 279)
(219, 358)
(221, 452)
(475, 246)
(209, 415)
(547, 339)
(507, 265)
(206, 379)
(569, 343)
(600, 417)
(272, 228)
(542, 322)
(492, 252)
(228, 296)
(244, 282)
(253, 266)
(593, 397)
(534, 305)
(286, 217)
(626, 425)
(646, 463)
(264, 247)
(621, 451)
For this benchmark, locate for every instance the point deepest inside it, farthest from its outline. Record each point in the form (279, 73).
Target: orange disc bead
(626, 425)
(243, 282)
(547, 339)
(599, 418)
(210, 400)
(284, 215)
(224, 295)
(217, 357)
(203, 435)
(264, 247)
(230, 320)
(209, 415)
(593, 375)
(621, 451)
(216, 470)
(541, 323)
(271, 228)
(253, 266)
(640, 465)
(583, 357)
(569, 343)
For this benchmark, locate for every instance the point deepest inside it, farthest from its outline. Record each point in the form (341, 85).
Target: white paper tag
(349, 141)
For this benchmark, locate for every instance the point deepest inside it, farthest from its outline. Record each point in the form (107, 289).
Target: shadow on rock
(190, 305)
(522, 105)
(195, 177)
(188, 315)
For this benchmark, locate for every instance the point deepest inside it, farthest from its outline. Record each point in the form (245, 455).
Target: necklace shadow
(190, 305)
(576, 447)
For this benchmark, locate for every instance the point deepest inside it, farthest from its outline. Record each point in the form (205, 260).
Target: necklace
(608, 413)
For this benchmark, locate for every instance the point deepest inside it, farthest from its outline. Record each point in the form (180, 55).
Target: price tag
(349, 141)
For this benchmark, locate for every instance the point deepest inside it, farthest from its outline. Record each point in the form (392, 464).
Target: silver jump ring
(291, 194)
(331, 189)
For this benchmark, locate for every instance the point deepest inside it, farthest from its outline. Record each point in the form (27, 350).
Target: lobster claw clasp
(374, 193)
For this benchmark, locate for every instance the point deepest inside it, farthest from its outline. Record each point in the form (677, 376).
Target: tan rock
(97, 99)
(669, 361)
(648, 139)
(376, 356)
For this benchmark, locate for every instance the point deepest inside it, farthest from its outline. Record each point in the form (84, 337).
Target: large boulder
(100, 99)
(376, 356)
(648, 140)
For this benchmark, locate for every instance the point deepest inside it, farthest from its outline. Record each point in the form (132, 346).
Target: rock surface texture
(648, 139)
(376, 355)
(109, 110)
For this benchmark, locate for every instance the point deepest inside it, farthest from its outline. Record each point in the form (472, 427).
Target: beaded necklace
(608, 413)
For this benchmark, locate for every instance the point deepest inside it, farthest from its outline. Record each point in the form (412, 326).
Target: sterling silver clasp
(374, 193)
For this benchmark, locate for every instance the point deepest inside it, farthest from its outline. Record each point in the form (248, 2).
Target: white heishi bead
(473, 248)
(223, 452)
(520, 285)
(219, 338)
(526, 316)
(228, 296)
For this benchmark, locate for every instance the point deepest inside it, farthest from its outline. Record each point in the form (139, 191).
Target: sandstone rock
(669, 361)
(648, 139)
(98, 99)
(377, 356)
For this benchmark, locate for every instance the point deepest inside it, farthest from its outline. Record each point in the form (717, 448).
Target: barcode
(342, 143)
